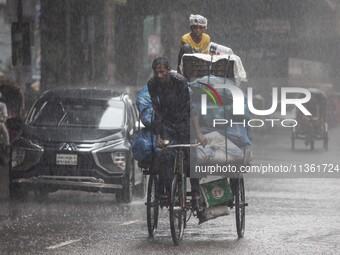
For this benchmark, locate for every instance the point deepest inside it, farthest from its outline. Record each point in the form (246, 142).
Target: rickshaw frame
(179, 202)
(195, 68)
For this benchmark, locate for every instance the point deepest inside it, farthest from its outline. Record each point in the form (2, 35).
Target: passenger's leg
(166, 163)
(195, 187)
(166, 159)
(194, 182)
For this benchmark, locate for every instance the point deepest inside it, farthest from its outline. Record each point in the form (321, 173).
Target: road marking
(62, 244)
(129, 222)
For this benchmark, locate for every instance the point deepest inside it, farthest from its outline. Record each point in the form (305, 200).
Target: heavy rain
(81, 162)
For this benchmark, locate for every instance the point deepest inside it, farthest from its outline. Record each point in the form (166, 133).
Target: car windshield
(84, 113)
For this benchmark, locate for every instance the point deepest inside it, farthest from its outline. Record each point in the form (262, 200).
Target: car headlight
(18, 156)
(119, 159)
(25, 154)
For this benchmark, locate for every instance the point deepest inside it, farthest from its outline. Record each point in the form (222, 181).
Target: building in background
(78, 43)
(269, 36)
(112, 42)
(5, 39)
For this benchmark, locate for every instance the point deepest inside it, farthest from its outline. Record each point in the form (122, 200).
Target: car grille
(86, 163)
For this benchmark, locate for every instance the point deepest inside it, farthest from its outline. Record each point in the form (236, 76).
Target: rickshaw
(197, 68)
(314, 127)
(144, 151)
(333, 109)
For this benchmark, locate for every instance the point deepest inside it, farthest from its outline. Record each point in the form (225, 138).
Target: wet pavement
(284, 216)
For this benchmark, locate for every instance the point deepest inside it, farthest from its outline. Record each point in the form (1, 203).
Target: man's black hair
(160, 61)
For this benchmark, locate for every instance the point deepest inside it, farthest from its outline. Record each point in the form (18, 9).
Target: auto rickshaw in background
(333, 109)
(314, 127)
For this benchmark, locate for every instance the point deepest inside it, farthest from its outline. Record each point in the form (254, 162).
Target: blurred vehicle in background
(77, 139)
(312, 127)
(333, 109)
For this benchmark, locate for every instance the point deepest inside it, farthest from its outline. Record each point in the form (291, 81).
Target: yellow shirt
(201, 47)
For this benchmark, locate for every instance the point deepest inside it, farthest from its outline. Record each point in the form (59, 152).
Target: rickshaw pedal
(151, 204)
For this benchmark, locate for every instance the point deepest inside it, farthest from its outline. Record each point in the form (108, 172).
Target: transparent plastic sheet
(215, 150)
(236, 133)
(214, 158)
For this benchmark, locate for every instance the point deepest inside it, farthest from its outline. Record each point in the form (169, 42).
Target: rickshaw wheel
(177, 209)
(152, 208)
(240, 206)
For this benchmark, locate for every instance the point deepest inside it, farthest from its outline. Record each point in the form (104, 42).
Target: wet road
(284, 216)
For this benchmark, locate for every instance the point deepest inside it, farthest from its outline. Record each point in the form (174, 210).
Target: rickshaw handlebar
(183, 145)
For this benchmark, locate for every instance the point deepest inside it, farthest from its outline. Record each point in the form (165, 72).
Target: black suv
(77, 139)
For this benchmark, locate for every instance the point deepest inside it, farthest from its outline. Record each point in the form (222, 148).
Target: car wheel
(126, 194)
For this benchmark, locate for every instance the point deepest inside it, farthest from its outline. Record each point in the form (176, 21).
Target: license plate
(67, 159)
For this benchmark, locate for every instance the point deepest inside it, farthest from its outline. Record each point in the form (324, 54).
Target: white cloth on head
(198, 20)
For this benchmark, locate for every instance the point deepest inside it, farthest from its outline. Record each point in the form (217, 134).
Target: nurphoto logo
(238, 104)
